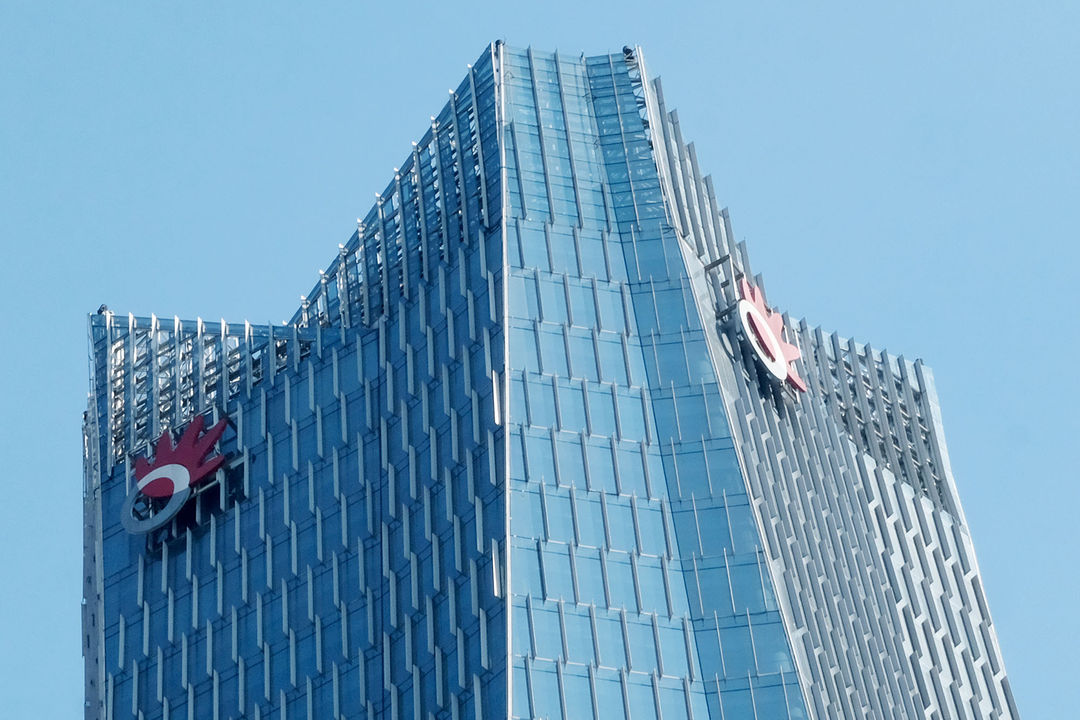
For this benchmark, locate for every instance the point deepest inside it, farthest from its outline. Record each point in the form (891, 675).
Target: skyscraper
(535, 445)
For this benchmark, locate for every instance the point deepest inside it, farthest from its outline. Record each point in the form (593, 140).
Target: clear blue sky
(907, 175)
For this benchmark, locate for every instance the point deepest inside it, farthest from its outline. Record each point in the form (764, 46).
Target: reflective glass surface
(636, 561)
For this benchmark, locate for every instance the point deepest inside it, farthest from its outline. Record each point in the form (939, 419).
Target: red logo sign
(164, 485)
(765, 331)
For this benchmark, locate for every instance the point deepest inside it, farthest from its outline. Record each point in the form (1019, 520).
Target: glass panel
(583, 355)
(631, 415)
(553, 299)
(738, 651)
(522, 644)
(571, 461)
(526, 575)
(620, 580)
(770, 644)
(557, 580)
(523, 297)
(609, 299)
(546, 632)
(578, 694)
(541, 458)
(601, 466)
(651, 580)
(631, 471)
(673, 704)
(523, 349)
(590, 577)
(579, 636)
(525, 516)
(521, 691)
(609, 696)
(541, 402)
(572, 407)
(642, 702)
(582, 304)
(553, 351)
(560, 522)
(534, 247)
(673, 648)
(590, 520)
(601, 411)
(545, 691)
(612, 360)
(642, 646)
(609, 638)
(620, 525)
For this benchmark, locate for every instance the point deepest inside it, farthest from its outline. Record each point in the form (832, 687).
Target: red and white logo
(164, 485)
(765, 331)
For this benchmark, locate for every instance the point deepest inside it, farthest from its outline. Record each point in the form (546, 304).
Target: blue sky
(907, 175)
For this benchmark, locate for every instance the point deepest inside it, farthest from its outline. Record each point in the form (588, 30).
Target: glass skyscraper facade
(534, 447)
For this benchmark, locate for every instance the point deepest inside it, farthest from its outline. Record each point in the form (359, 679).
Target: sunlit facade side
(515, 457)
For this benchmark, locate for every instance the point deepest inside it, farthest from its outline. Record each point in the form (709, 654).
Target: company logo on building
(163, 486)
(765, 331)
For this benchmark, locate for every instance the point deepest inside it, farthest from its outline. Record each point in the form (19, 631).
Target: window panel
(693, 473)
(651, 580)
(743, 528)
(713, 524)
(579, 636)
(553, 351)
(593, 263)
(546, 632)
(582, 303)
(642, 701)
(563, 247)
(738, 651)
(526, 575)
(631, 470)
(517, 400)
(651, 528)
(523, 297)
(522, 640)
(578, 694)
(557, 579)
(601, 466)
(572, 407)
(590, 577)
(771, 647)
(541, 402)
(610, 301)
(631, 415)
(671, 356)
(673, 704)
(541, 458)
(553, 299)
(523, 349)
(590, 520)
(612, 359)
(715, 587)
(526, 519)
(601, 411)
(693, 420)
(583, 355)
(560, 524)
(571, 461)
(674, 653)
(620, 525)
(620, 581)
(545, 691)
(609, 639)
(521, 691)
